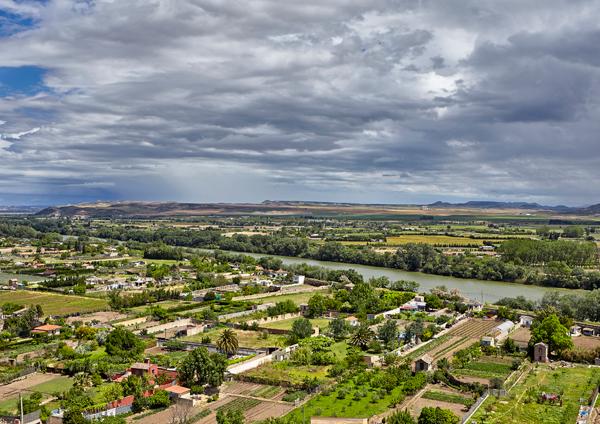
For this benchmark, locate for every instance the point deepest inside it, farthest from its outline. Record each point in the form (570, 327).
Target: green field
(54, 304)
(289, 372)
(574, 383)
(56, 385)
(322, 323)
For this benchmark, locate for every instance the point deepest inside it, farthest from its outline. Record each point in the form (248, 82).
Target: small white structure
(526, 321)
(299, 279)
(488, 341)
(284, 353)
(500, 332)
(352, 321)
(575, 331)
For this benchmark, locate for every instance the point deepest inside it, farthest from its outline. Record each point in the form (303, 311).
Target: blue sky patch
(11, 23)
(26, 80)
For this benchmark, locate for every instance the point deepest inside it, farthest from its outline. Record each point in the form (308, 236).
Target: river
(481, 290)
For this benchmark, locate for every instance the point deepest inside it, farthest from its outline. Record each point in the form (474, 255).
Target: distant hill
(132, 209)
(482, 204)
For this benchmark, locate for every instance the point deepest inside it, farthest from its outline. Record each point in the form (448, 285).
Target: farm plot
(47, 384)
(55, 304)
(255, 390)
(286, 324)
(586, 342)
(456, 339)
(474, 328)
(436, 240)
(255, 409)
(287, 372)
(443, 397)
(246, 338)
(484, 369)
(572, 383)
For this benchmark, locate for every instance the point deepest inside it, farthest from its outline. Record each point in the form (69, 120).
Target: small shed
(540, 352)
(526, 321)
(488, 341)
(424, 363)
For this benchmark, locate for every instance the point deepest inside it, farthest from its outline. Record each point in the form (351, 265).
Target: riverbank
(481, 290)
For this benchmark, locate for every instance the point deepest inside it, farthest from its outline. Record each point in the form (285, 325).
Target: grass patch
(55, 304)
(448, 397)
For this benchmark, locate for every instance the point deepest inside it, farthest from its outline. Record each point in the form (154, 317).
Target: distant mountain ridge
(271, 207)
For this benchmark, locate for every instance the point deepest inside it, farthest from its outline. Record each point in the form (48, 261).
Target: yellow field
(434, 240)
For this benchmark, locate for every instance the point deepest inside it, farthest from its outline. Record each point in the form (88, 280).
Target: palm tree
(228, 342)
(362, 336)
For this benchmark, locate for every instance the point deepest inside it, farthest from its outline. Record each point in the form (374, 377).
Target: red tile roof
(180, 390)
(47, 327)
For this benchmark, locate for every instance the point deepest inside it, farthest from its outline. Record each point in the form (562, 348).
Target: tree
(232, 416)
(112, 391)
(159, 399)
(509, 346)
(301, 329)
(430, 415)
(362, 336)
(227, 342)
(388, 332)
(400, 417)
(201, 368)
(316, 305)
(338, 328)
(574, 231)
(553, 333)
(123, 343)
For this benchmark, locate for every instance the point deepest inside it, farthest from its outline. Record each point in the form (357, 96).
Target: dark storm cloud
(381, 100)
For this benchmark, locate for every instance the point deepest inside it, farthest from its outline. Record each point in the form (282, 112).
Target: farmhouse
(49, 329)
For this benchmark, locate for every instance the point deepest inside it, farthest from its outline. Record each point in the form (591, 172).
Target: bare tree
(180, 414)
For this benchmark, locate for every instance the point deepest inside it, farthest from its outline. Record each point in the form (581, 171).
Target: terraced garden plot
(255, 390)
(474, 328)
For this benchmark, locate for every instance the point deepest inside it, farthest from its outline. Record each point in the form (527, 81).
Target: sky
(380, 101)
